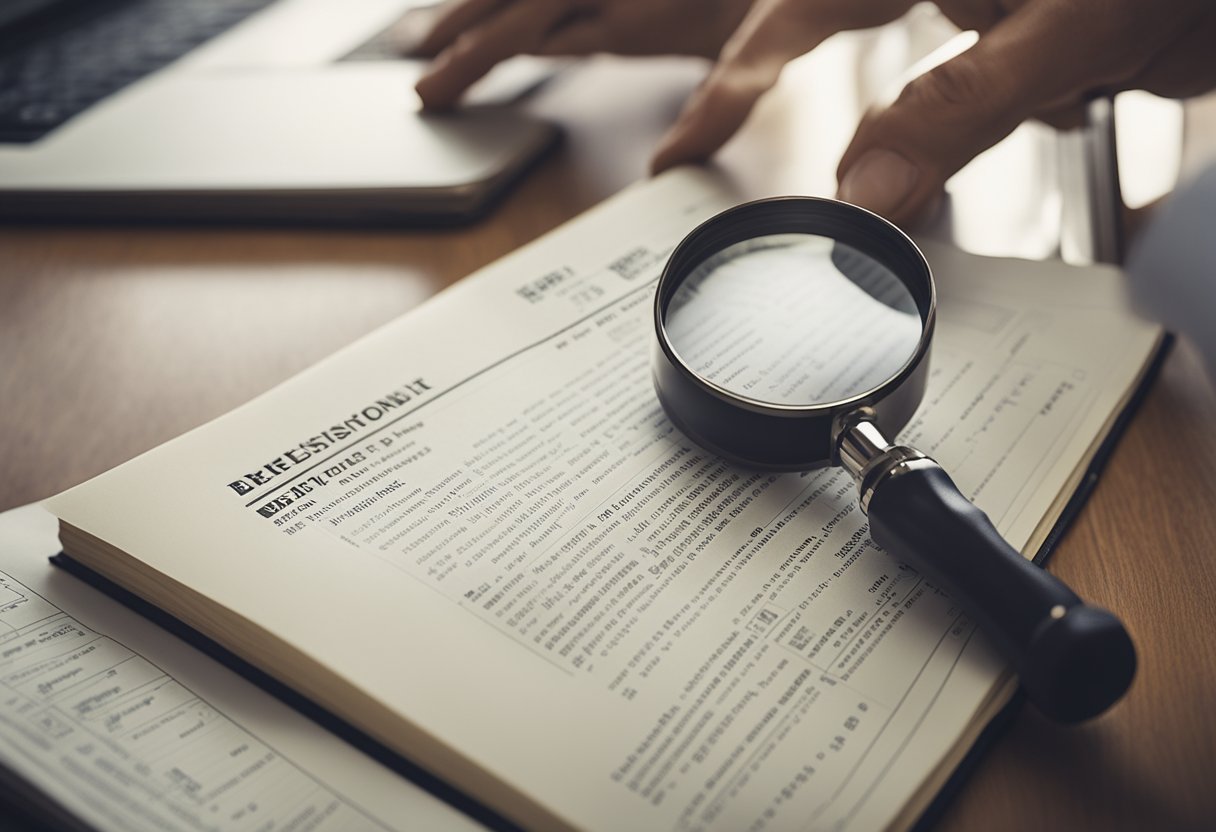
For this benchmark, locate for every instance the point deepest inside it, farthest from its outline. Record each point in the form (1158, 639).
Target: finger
(1043, 55)
(517, 29)
(772, 34)
(579, 37)
(451, 21)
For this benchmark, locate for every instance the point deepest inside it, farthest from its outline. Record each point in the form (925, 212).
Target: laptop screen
(13, 10)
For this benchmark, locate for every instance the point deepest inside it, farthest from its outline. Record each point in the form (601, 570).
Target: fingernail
(879, 181)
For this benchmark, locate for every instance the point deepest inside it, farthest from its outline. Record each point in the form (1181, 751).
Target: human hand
(1034, 58)
(471, 36)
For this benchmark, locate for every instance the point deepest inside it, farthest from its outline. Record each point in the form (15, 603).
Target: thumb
(901, 156)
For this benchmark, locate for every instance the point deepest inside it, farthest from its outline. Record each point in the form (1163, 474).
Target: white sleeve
(1172, 266)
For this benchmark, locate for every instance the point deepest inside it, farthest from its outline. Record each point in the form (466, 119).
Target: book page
(479, 519)
(125, 727)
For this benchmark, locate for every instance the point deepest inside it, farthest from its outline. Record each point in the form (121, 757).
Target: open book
(474, 535)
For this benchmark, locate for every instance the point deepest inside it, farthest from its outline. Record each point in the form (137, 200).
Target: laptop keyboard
(71, 62)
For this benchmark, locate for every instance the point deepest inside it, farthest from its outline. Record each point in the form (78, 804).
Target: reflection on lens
(793, 319)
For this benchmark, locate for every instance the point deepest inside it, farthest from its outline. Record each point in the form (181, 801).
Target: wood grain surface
(115, 339)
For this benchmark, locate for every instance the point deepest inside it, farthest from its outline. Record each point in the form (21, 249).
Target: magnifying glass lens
(793, 319)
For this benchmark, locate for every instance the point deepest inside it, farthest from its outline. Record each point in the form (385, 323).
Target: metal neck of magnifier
(871, 458)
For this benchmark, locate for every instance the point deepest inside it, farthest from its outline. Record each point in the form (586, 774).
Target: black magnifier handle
(1074, 660)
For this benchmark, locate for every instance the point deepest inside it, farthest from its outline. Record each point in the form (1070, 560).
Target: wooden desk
(113, 340)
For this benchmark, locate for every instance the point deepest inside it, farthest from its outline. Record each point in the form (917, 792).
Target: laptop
(243, 110)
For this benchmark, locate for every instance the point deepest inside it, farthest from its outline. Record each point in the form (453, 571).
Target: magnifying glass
(794, 333)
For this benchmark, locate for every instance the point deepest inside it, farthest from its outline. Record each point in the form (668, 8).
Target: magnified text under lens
(793, 319)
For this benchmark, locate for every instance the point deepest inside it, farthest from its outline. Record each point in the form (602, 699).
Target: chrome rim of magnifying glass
(785, 437)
